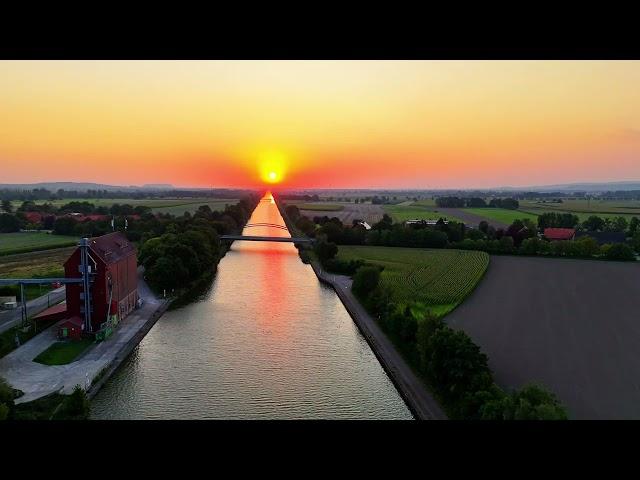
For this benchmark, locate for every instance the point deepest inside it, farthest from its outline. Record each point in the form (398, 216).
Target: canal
(268, 341)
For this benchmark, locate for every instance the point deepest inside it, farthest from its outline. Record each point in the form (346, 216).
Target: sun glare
(272, 166)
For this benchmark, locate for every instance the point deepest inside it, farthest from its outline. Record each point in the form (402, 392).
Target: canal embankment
(422, 404)
(411, 388)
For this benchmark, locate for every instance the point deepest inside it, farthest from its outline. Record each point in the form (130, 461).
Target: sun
(272, 165)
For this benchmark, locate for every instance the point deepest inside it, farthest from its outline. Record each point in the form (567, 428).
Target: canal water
(268, 341)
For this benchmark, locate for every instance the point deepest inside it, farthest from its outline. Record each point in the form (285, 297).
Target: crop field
(570, 325)
(350, 212)
(502, 215)
(192, 207)
(585, 208)
(428, 202)
(175, 206)
(20, 242)
(441, 279)
(46, 263)
(328, 207)
(401, 213)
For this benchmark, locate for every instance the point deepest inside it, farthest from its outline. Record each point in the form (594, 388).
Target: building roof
(604, 237)
(112, 248)
(59, 309)
(75, 320)
(559, 233)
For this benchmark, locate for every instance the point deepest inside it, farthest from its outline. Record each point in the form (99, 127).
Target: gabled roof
(559, 233)
(112, 248)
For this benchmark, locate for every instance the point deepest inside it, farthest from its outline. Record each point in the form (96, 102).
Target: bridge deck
(254, 238)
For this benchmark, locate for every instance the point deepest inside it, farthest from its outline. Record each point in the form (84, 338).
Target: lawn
(428, 202)
(441, 279)
(502, 215)
(21, 242)
(401, 213)
(61, 353)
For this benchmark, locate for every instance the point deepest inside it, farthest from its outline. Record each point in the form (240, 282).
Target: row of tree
(477, 202)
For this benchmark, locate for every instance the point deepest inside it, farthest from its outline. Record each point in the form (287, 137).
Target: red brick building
(114, 280)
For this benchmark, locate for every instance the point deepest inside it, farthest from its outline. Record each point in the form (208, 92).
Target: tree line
(477, 202)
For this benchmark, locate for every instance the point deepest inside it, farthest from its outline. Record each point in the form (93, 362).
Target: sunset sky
(326, 124)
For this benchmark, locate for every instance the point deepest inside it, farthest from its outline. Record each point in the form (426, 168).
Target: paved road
(571, 325)
(413, 390)
(10, 318)
(37, 380)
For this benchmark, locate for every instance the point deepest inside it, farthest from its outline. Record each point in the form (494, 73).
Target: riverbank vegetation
(179, 252)
(50, 407)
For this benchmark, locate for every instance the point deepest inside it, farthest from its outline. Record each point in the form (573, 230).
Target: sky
(320, 124)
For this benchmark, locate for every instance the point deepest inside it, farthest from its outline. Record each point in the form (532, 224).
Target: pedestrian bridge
(263, 238)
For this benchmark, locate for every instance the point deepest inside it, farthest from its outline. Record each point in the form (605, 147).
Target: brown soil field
(351, 211)
(570, 325)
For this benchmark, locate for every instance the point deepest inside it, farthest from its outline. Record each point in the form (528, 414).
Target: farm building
(114, 282)
(604, 237)
(559, 233)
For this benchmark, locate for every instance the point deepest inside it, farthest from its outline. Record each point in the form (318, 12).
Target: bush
(343, 267)
(530, 403)
(619, 251)
(365, 280)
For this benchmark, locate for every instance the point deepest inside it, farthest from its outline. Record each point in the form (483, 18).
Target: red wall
(124, 278)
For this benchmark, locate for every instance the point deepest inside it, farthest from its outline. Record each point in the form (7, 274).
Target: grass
(502, 215)
(401, 213)
(22, 242)
(428, 202)
(8, 337)
(441, 279)
(64, 352)
(584, 209)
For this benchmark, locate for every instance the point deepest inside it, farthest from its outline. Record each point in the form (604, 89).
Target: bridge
(262, 238)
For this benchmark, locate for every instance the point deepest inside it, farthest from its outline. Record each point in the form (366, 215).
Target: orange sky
(332, 124)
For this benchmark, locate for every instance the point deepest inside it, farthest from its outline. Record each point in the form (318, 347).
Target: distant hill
(82, 187)
(580, 187)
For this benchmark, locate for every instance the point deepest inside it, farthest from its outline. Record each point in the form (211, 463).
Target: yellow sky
(431, 124)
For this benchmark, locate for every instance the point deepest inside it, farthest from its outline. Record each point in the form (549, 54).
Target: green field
(428, 202)
(174, 206)
(61, 353)
(179, 209)
(585, 208)
(21, 242)
(441, 279)
(502, 214)
(401, 213)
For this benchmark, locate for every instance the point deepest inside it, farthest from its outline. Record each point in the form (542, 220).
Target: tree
(9, 223)
(6, 206)
(365, 280)
(593, 223)
(385, 224)
(483, 226)
(325, 250)
(530, 403)
(633, 226)
(6, 399)
(64, 226)
(619, 251)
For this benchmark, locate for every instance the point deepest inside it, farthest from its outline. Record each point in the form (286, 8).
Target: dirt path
(571, 325)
